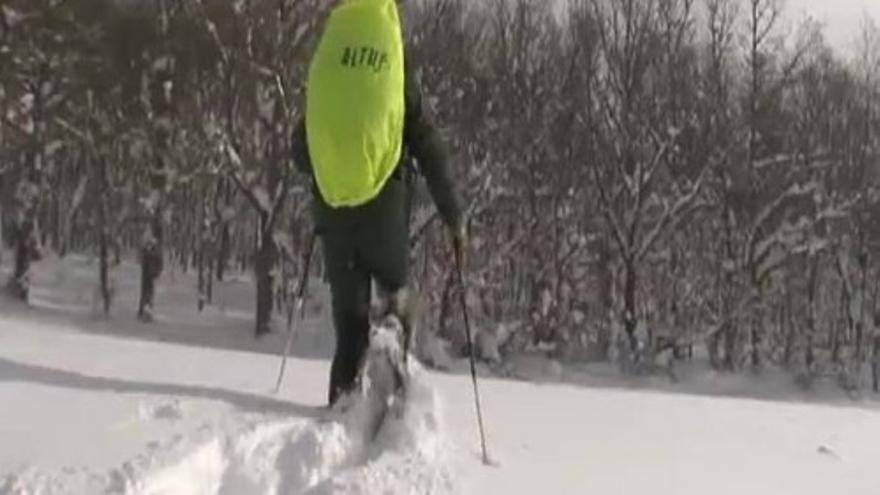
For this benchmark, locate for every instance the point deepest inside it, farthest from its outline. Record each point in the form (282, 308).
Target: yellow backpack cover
(355, 102)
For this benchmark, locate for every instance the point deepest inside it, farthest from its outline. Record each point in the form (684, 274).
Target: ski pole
(470, 344)
(292, 318)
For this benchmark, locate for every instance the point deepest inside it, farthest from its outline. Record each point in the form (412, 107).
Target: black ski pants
(362, 244)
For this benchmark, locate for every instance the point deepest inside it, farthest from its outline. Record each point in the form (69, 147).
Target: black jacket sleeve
(300, 148)
(423, 144)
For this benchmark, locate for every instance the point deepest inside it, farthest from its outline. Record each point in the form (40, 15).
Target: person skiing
(364, 126)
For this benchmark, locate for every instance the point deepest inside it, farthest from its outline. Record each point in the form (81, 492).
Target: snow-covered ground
(185, 406)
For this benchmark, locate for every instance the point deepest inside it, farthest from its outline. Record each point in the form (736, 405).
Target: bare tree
(161, 100)
(257, 67)
(640, 196)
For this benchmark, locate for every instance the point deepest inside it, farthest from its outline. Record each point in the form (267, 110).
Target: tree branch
(671, 216)
(234, 164)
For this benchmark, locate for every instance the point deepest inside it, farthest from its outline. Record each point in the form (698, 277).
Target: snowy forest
(645, 180)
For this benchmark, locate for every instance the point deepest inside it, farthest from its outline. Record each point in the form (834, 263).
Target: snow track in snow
(270, 454)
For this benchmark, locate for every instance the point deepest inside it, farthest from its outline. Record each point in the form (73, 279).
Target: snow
(186, 406)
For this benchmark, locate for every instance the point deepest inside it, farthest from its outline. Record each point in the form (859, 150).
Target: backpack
(355, 102)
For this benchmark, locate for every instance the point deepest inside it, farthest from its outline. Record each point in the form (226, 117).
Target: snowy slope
(92, 414)
(185, 406)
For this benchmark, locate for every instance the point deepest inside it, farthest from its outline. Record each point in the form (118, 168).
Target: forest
(641, 177)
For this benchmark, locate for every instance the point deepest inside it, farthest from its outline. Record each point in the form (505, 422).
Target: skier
(364, 124)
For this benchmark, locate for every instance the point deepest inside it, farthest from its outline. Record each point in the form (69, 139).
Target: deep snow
(186, 406)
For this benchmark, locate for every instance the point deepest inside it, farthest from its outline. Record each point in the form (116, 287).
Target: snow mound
(261, 455)
(409, 455)
(34, 481)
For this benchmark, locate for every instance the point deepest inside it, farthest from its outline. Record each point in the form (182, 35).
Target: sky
(842, 18)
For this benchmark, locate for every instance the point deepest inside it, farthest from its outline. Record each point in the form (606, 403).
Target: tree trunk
(153, 242)
(875, 364)
(57, 219)
(756, 337)
(714, 345)
(225, 237)
(200, 263)
(838, 327)
(2, 223)
(25, 253)
(606, 285)
(28, 199)
(209, 281)
(264, 265)
(809, 356)
(106, 294)
(730, 325)
(630, 322)
(202, 260)
(756, 345)
(104, 240)
(863, 298)
(787, 325)
(151, 268)
(730, 340)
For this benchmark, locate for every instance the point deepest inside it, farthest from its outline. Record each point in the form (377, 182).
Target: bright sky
(842, 18)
